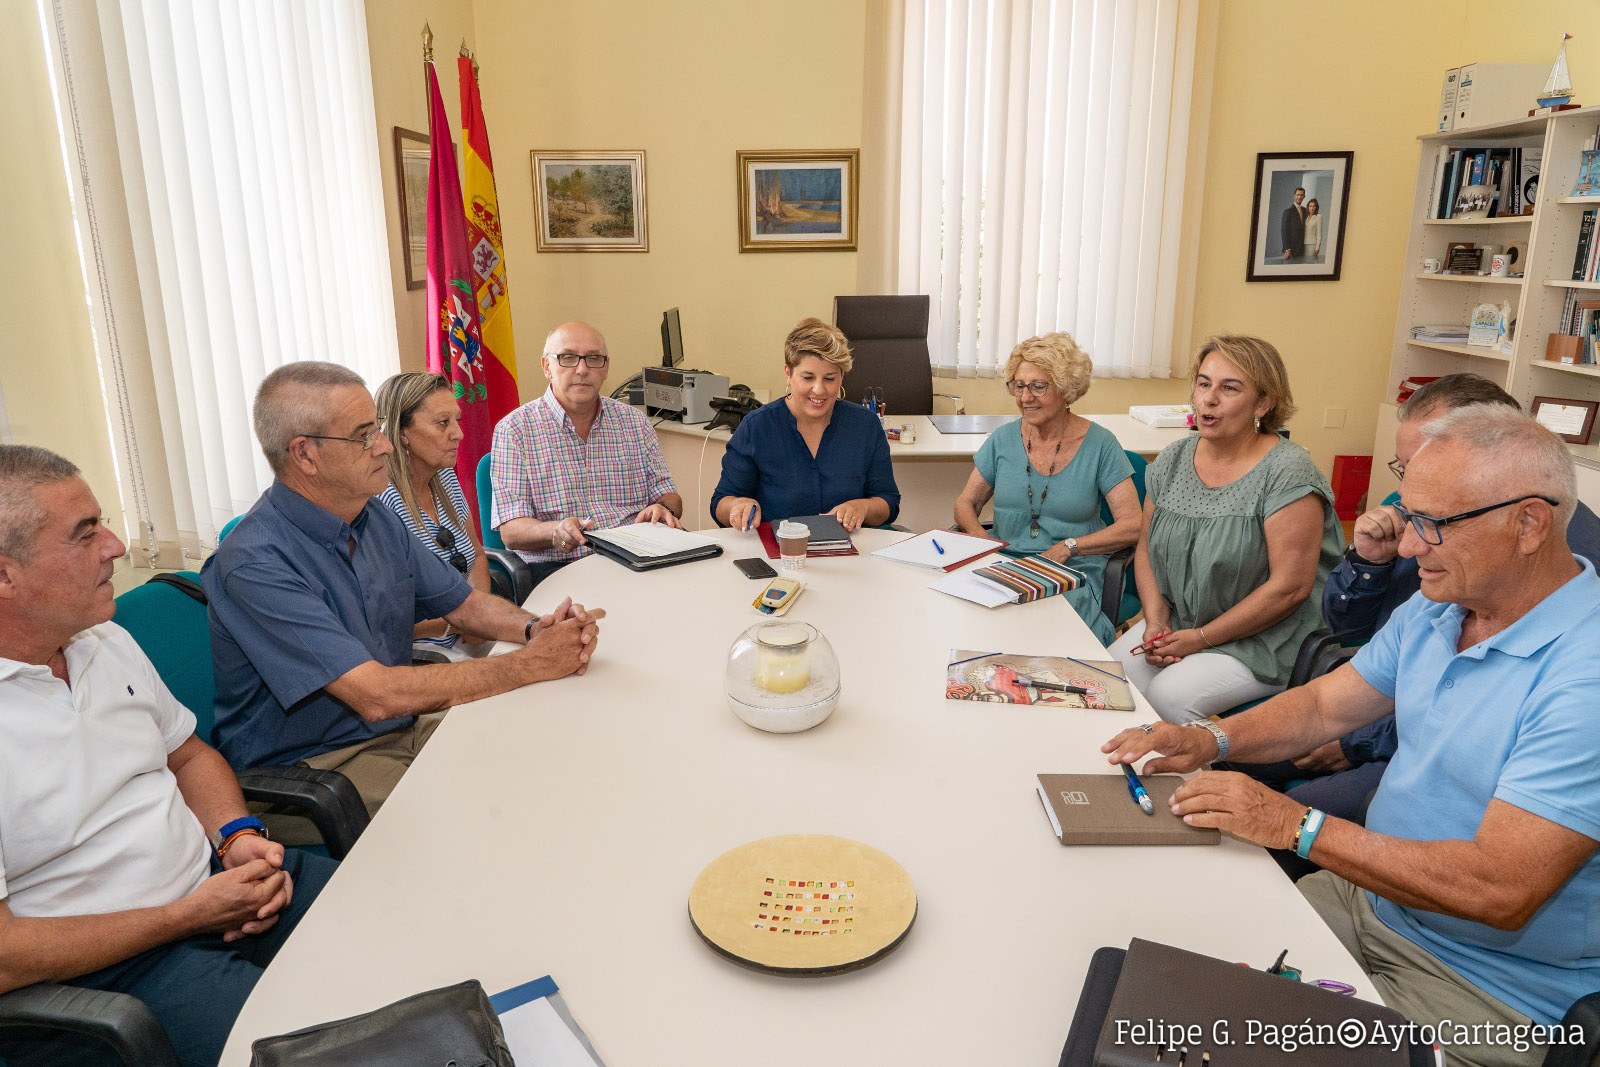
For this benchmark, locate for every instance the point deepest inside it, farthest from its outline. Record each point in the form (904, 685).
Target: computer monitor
(671, 339)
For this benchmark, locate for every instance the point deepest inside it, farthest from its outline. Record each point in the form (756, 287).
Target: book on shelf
(1580, 257)
(1447, 101)
(1457, 169)
(1449, 334)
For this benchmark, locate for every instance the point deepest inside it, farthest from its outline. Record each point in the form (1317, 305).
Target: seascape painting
(590, 201)
(797, 201)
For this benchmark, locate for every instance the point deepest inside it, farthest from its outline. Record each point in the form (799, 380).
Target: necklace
(1033, 529)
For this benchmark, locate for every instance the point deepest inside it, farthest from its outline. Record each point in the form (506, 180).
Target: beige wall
(48, 373)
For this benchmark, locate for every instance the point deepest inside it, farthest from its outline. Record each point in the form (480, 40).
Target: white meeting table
(557, 830)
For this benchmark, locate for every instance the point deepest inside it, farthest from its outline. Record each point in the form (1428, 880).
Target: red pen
(1148, 644)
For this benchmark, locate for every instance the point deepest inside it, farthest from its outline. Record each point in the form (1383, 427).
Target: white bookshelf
(1551, 235)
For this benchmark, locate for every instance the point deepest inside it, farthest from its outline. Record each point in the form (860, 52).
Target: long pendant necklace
(1033, 530)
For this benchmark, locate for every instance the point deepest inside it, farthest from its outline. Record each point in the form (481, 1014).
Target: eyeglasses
(447, 541)
(1397, 468)
(1036, 388)
(365, 440)
(593, 360)
(1431, 530)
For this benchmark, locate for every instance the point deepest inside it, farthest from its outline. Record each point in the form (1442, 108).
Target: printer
(674, 393)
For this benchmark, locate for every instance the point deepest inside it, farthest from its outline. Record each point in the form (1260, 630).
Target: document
(539, 1029)
(649, 540)
(920, 551)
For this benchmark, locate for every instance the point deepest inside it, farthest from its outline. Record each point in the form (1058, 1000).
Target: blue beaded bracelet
(1307, 834)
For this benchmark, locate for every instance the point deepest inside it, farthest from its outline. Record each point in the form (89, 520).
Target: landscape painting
(797, 201)
(590, 201)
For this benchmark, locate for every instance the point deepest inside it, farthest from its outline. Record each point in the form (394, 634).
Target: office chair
(509, 574)
(888, 338)
(1119, 595)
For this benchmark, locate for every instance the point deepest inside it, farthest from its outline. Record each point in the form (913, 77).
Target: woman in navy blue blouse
(808, 454)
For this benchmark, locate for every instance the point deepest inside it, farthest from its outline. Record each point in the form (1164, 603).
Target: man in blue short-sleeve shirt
(313, 597)
(1469, 896)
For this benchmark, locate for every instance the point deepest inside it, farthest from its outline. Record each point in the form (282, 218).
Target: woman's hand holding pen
(743, 513)
(1168, 648)
(1180, 750)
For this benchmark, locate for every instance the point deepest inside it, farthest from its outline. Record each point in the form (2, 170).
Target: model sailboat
(1558, 87)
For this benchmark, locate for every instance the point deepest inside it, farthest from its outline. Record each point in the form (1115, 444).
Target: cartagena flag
(454, 345)
(497, 388)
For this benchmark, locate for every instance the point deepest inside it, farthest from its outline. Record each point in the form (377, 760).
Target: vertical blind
(224, 157)
(1042, 146)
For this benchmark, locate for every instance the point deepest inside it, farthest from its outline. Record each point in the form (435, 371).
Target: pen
(1136, 790)
(1277, 964)
(1056, 687)
(1438, 1056)
(937, 545)
(1148, 644)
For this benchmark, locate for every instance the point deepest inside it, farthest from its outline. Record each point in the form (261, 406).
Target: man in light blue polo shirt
(314, 595)
(1471, 895)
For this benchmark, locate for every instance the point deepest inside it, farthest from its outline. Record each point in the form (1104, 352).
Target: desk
(930, 473)
(557, 830)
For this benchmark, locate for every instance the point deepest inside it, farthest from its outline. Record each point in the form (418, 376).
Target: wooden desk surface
(557, 830)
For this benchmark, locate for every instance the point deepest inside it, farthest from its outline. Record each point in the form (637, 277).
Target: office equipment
(959, 549)
(1496, 92)
(684, 395)
(671, 338)
(540, 1029)
(1093, 809)
(755, 568)
(1447, 100)
(731, 409)
(969, 423)
(889, 339)
(1014, 581)
(645, 546)
(1159, 983)
(1057, 681)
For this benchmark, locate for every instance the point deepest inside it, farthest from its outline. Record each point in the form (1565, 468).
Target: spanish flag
(496, 392)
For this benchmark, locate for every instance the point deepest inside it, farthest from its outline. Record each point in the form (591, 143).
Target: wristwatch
(249, 822)
(1072, 546)
(1216, 731)
(1358, 560)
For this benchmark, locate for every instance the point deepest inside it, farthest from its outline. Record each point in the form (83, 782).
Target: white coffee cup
(793, 541)
(1430, 266)
(1487, 259)
(1500, 265)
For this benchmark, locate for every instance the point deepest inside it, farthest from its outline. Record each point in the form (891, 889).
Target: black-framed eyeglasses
(1397, 468)
(1431, 529)
(1036, 388)
(446, 541)
(593, 360)
(365, 440)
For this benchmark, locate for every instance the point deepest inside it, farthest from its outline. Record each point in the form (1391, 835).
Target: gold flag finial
(465, 53)
(427, 43)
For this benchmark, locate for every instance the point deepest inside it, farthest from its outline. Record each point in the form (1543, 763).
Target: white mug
(1485, 260)
(1430, 266)
(1500, 265)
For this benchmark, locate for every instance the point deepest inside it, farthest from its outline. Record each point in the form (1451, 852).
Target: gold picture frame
(799, 201)
(411, 156)
(590, 201)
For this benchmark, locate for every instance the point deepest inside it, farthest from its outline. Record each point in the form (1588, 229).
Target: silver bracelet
(1217, 732)
(1201, 630)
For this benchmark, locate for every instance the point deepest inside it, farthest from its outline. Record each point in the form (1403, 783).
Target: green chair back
(1392, 498)
(172, 629)
(1130, 590)
(491, 537)
(228, 528)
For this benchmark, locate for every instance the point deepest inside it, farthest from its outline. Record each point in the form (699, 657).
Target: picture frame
(1570, 420)
(1322, 177)
(799, 201)
(590, 201)
(412, 151)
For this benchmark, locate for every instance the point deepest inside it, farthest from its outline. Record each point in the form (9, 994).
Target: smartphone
(755, 568)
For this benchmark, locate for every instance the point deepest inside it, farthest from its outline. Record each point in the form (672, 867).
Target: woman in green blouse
(1239, 535)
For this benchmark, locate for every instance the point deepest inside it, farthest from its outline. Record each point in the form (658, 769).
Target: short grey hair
(1515, 454)
(293, 401)
(24, 468)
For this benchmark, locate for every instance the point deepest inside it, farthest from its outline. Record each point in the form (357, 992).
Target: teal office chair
(509, 574)
(227, 528)
(1119, 595)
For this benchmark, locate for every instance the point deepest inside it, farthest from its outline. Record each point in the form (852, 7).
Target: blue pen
(937, 545)
(1136, 790)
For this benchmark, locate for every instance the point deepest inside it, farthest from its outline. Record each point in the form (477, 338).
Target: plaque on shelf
(1464, 260)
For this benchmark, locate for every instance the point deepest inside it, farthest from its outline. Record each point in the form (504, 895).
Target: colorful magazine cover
(1058, 681)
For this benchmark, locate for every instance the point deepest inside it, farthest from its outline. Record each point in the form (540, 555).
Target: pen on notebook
(937, 546)
(1056, 687)
(1136, 791)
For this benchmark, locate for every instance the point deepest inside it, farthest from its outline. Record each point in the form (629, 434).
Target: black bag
(450, 1027)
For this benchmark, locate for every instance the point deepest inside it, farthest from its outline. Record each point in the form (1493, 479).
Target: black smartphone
(755, 568)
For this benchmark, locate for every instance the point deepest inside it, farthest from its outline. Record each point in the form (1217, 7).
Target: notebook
(769, 541)
(1014, 581)
(539, 1028)
(1097, 809)
(959, 549)
(645, 546)
(1162, 984)
(1005, 678)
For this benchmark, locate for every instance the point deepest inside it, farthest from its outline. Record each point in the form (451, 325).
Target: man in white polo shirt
(107, 797)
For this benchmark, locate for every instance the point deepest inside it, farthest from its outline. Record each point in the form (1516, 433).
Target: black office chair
(122, 1022)
(889, 340)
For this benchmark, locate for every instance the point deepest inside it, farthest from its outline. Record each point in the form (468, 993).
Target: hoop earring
(1258, 424)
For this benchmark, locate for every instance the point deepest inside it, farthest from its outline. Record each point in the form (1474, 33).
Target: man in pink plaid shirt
(575, 460)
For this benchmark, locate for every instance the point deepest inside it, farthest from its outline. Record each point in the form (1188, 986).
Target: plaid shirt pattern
(541, 469)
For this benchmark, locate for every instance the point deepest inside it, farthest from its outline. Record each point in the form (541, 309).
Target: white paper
(919, 551)
(968, 586)
(649, 540)
(536, 1034)
(1561, 418)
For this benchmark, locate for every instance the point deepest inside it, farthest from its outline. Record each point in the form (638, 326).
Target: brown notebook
(1097, 809)
(1168, 998)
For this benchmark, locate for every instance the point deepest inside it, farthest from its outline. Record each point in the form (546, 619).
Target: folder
(1097, 809)
(1167, 996)
(769, 542)
(648, 546)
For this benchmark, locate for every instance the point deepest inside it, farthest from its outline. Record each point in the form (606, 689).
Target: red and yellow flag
(497, 393)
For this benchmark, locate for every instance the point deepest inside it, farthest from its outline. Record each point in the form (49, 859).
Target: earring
(1258, 424)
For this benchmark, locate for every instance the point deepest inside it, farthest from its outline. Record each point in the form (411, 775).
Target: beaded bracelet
(222, 849)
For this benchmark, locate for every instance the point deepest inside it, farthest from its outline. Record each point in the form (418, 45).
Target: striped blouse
(428, 533)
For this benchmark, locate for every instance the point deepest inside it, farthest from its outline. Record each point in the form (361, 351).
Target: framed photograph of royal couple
(1297, 216)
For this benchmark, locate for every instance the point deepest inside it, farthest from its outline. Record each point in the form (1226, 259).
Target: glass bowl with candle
(782, 677)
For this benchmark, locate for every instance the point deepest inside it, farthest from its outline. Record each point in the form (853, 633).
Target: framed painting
(1297, 216)
(590, 201)
(411, 150)
(799, 201)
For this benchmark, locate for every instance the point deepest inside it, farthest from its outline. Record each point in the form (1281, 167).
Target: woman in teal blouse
(1239, 536)
(1048, 471)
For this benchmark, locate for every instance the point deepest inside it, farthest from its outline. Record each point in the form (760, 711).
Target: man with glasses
(1369, 584)
(575, 460)
(1469, 894)
(314, 595)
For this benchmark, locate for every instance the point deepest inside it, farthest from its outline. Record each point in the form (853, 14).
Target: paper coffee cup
(793, 539)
